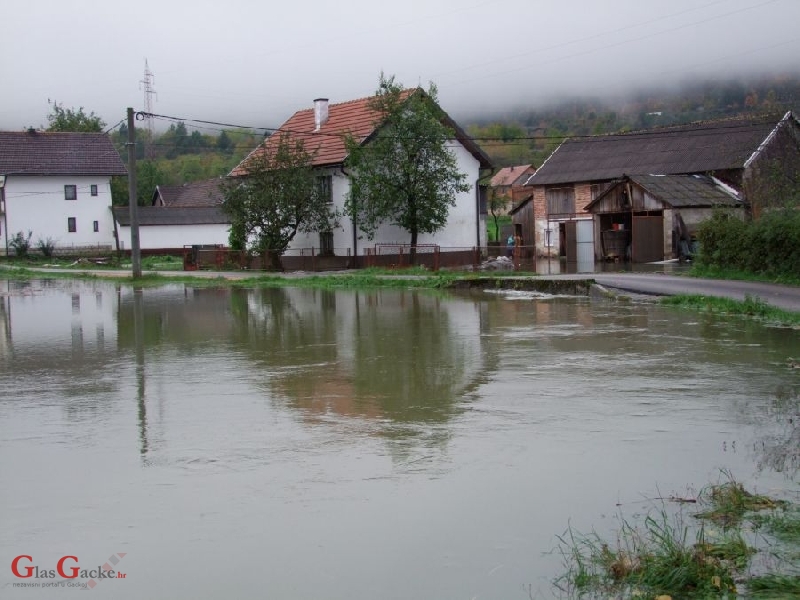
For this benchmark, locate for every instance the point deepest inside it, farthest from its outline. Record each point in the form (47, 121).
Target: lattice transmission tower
(146, 84)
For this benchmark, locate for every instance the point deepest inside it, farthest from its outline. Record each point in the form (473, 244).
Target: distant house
(57, 186)
(751, 158)
(509, 183)
(183, 215)
(323, 129)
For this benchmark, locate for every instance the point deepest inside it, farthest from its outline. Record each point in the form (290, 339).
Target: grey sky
(254, 63)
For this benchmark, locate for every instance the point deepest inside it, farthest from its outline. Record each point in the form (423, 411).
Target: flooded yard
(299, 443)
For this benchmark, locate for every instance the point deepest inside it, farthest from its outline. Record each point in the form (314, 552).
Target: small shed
(648, 218)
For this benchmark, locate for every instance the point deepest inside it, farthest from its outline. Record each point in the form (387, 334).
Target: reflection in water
(372, 443)
(777, 444)
(138, 334)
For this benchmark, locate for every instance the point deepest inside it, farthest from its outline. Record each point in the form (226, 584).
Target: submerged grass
(666, 557)
(750, 307)
(658, 558)
(729, 502)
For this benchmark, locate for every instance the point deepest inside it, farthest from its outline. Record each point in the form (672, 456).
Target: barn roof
(683, 149)
(679, 191)
(58, 153)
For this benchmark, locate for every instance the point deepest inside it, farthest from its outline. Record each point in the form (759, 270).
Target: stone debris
(500, 263)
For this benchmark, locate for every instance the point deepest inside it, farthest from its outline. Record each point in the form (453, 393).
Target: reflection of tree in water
(779, 447)
(408, 358)
(394, 357)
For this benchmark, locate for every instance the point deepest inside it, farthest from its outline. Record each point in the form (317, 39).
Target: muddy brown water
(297, 443)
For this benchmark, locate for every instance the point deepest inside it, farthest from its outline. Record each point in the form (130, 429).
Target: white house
(181, 215)
(323, 129)
(57, 186)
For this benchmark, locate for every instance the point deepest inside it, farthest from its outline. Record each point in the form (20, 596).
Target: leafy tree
(69, 119)
(224, 143)
(497, 203)
(278, 197)
(405, 174)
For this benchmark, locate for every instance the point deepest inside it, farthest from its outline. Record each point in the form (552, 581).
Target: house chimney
(320, 112)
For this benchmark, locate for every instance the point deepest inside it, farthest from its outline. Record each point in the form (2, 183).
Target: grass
(666, 557)
(658, 558)
(729, 502)
(735, 274)
(751, 306)
(774, 587)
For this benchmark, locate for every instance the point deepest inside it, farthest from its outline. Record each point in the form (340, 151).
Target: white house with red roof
(323, 129)
(57, 186)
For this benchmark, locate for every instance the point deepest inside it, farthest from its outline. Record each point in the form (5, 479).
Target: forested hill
(522, 136)
(529, 134)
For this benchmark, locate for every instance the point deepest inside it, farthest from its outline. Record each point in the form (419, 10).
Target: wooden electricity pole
(136, 261)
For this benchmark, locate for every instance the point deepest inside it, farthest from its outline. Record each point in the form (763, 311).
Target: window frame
(325, 188)
(72, 225)
(70, 189)
(93, 189)
(96, 226)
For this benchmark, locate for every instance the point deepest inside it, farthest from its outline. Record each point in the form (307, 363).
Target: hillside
(529, 134)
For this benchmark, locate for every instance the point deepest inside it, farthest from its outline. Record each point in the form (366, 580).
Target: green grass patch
(714, 272)
(774, 587)
(729, 502)
(751, 306)
(783, 524)
(658, 558)
(666, 555)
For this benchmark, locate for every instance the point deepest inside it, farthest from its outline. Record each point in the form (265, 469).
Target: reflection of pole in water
(138, 338)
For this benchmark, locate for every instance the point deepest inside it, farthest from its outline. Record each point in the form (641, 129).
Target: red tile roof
(509, 175)
(356, 118)
(51, 153)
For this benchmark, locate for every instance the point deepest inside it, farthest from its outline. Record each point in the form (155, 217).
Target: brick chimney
(320, 113)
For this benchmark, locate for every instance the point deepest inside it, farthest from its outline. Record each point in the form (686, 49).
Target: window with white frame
(72, 224)
(93, 189)
(70, 192)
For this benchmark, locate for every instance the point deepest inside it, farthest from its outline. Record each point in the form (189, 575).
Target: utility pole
(136, 262)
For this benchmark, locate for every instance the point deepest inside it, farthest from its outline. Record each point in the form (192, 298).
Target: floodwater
(294, 443)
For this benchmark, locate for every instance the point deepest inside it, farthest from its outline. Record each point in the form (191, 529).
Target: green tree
(278, 197)
(69, 119)
(224, 143)
(404, 174)
(497, 203)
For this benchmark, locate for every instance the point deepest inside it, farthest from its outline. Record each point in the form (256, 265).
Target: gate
(648, 239)
(580, 243)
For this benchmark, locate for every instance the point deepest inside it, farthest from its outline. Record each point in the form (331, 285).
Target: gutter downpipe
(5, 209)
(355, 229)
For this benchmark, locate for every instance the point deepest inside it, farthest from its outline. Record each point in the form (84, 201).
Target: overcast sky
(255, 62)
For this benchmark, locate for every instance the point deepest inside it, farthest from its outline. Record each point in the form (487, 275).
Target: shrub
(767, 246)
(46, 246)
(20, 243)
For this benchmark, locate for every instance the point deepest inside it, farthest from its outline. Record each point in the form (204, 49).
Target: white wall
(462, 229)
(37, 204)
(175, 236)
